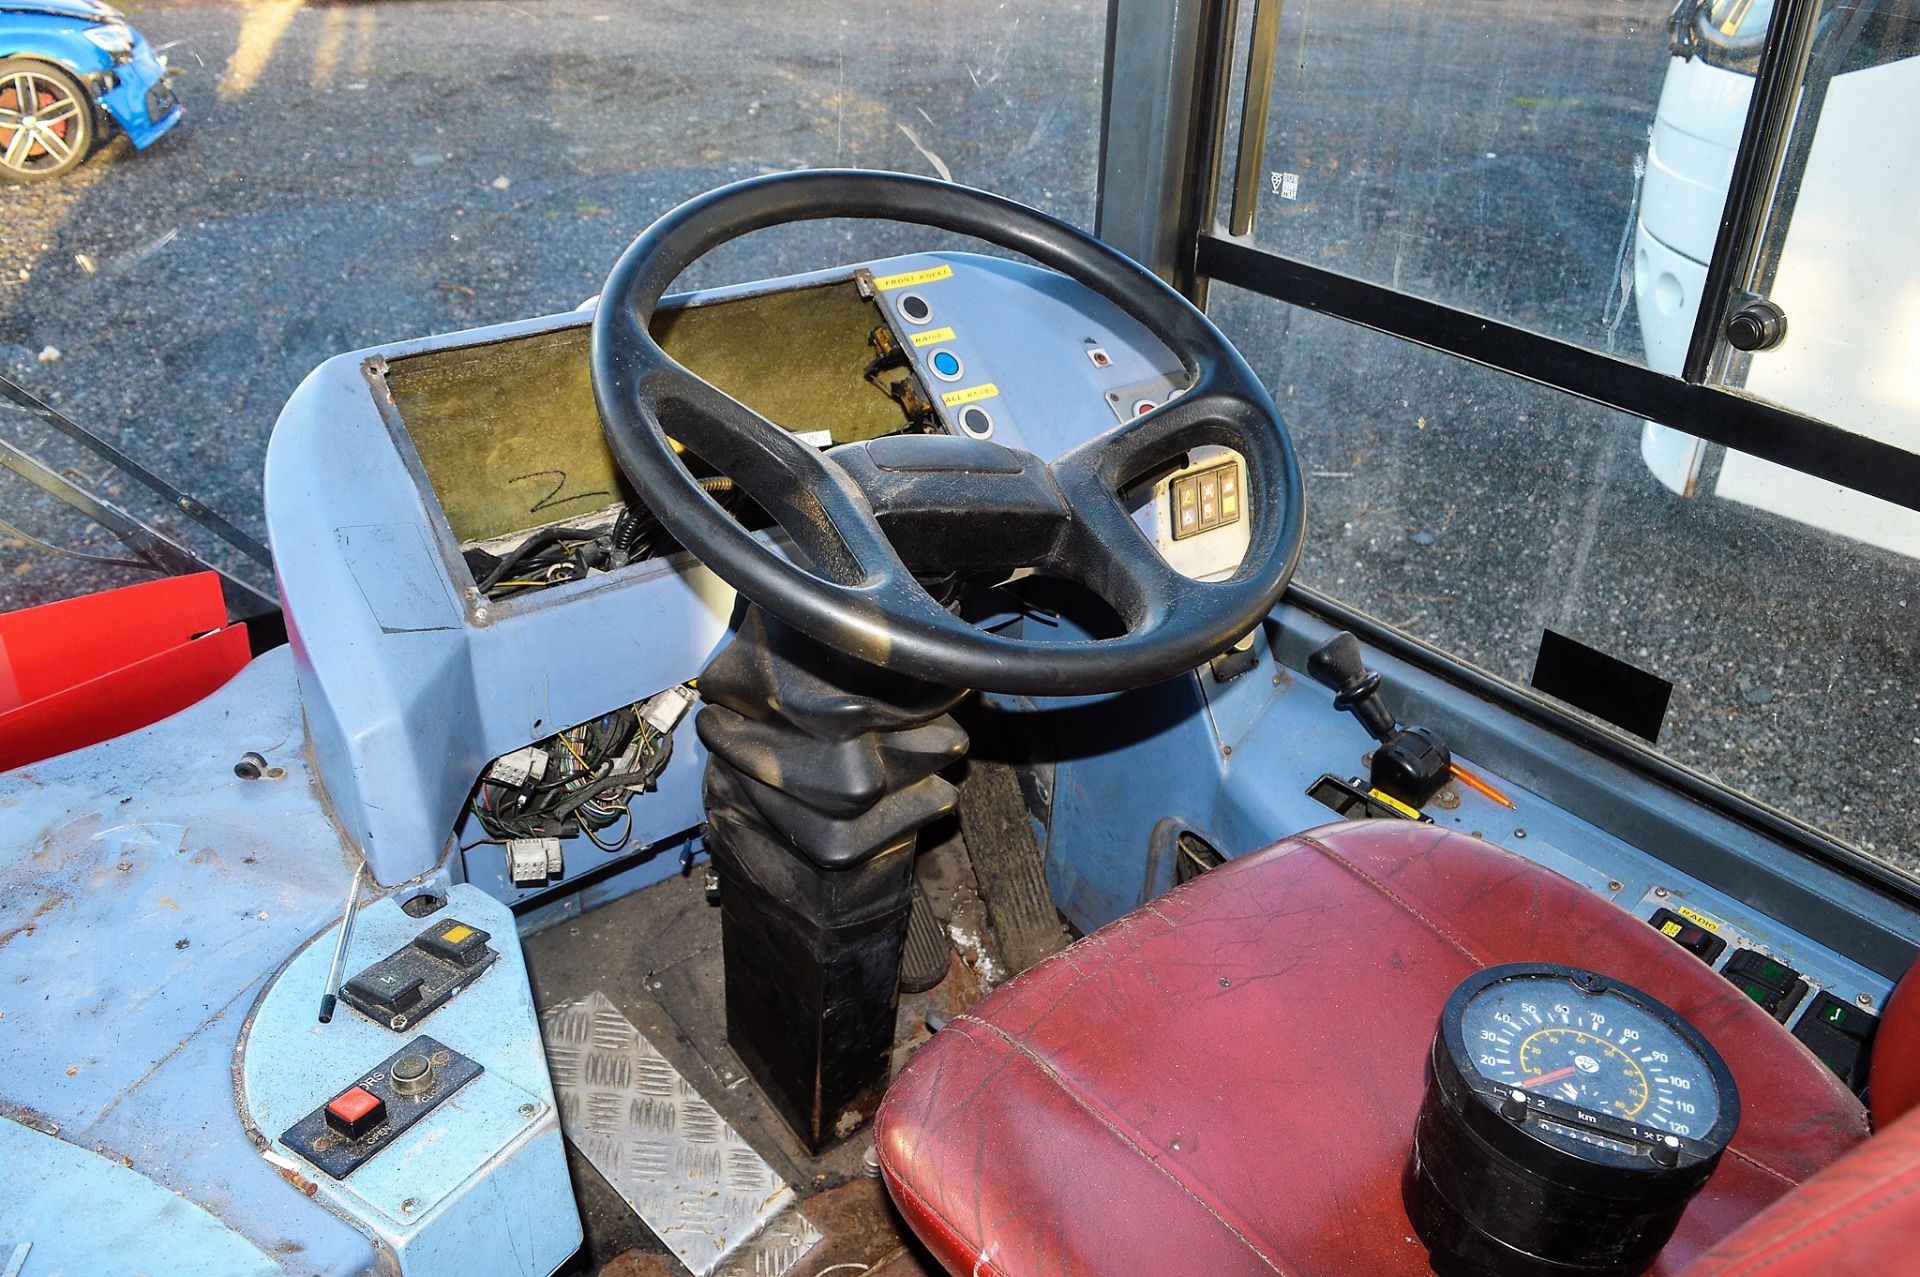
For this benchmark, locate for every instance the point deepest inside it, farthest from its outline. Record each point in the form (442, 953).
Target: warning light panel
(1205, 500)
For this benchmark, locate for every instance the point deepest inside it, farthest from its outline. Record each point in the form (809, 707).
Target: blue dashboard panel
(414, 682)
(1239, 773)
(147, 895)
(164, 931)
(1045, 357)
(77, 1211)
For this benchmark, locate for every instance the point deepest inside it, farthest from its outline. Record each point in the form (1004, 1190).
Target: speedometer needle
(1545, 1078)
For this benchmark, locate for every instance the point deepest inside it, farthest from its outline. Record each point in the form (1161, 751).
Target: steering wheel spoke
(812, 499)
(1108, 553)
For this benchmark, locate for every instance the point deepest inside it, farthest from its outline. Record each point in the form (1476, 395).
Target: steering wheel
(864, 518)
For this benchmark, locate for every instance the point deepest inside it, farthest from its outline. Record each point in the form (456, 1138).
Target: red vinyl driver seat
(1225, 1081)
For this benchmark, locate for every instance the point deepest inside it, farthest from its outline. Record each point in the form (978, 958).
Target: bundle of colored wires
(591, 775)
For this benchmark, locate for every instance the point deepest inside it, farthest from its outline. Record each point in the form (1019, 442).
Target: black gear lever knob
(1411, 763)
(1337, 664)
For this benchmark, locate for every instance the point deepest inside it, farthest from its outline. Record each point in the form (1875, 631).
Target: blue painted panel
(1239, 773)
(481, 1180)
(82, 1213)
(146, 893)
(404, 714)
(1123, 756)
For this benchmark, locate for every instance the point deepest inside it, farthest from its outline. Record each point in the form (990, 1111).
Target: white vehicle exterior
(1850, 353)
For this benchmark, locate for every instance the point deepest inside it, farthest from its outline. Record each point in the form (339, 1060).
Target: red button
(355, 1112)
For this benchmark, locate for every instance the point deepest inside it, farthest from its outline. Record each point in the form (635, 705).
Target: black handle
(1338, 664)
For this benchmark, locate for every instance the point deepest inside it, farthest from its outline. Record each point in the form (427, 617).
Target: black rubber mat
(1006, 861)
(925, 962)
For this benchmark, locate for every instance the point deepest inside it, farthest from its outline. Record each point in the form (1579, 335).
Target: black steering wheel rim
(852, 593)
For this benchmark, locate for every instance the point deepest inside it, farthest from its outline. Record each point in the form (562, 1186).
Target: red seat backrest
(1860, 1215)
(1894, 1082)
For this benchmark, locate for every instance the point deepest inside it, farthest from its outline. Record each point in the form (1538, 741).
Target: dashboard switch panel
(380, 1106)
(414, 981)
(1825, 1004)
(1206, 500)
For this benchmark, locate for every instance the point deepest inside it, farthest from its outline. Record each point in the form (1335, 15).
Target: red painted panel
(47, 649)
(123, 699)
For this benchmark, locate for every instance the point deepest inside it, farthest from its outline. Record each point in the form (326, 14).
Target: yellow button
(456, 933)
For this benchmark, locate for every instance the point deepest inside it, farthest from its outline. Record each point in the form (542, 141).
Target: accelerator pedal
(924, 963)
(699, 1186)
(1007, 863)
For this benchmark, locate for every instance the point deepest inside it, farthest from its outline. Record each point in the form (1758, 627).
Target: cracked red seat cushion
(1225, 1080)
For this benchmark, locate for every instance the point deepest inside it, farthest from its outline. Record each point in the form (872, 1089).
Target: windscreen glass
(1475, 510)
(1489, 156)
(272, 183)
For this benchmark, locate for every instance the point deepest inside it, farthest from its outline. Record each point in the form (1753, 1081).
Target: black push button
(454, 941)
(1846, 1056)
(385, 987)
(1838, 1033)
(1691, 936)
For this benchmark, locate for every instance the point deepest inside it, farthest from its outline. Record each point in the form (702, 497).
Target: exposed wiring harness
(554, 556)
(582, 779)
(889, 356)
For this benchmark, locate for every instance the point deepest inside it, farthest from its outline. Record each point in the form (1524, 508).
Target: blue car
(69, 71)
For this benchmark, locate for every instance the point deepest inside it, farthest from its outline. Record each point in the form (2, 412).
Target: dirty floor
(656, 956)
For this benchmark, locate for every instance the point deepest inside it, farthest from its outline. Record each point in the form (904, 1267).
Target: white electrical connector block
(532, 861)
(663, 712)
(516, 768)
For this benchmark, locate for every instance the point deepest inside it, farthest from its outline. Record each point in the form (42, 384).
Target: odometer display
(1598, 1052)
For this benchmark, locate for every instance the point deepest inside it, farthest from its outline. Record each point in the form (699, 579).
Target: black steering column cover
(862, 526)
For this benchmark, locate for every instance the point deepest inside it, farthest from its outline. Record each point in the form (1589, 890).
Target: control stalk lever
(1411, 763)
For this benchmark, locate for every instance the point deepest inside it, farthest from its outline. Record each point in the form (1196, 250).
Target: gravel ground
(355, 173)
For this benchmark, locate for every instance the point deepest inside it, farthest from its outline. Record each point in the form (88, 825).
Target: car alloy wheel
(45, 125)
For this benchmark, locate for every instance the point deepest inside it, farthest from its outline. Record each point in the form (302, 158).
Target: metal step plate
(699, 1186)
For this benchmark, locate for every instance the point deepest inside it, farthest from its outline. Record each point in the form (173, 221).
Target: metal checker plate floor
(702, 1189)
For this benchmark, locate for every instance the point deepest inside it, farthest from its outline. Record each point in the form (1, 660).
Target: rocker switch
(455, 942)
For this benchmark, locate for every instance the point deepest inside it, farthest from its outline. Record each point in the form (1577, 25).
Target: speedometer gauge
(1601, 1052)
(1568, 1121)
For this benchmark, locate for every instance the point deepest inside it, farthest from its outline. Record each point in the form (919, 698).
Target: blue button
(946, 364)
